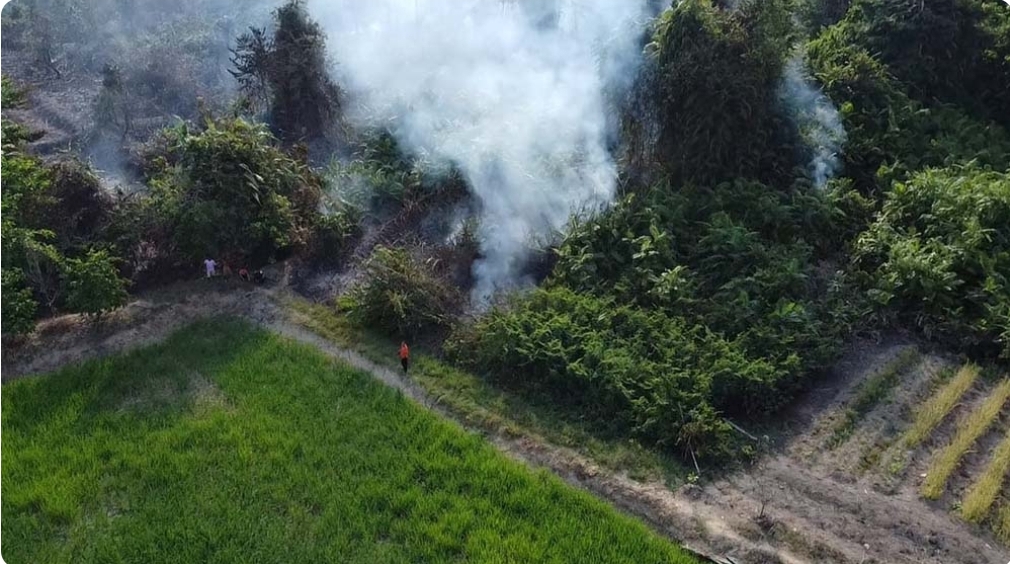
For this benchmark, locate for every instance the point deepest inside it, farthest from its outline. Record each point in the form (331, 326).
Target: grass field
(969, 429)
(228, 444)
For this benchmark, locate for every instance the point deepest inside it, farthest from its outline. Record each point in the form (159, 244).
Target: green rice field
(228, 444)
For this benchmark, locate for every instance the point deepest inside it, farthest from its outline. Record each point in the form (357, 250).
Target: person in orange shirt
(404, 356)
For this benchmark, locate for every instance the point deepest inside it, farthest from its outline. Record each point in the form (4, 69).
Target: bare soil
(802, 503)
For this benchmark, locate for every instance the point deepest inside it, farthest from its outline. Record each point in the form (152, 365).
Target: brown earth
(816, 507)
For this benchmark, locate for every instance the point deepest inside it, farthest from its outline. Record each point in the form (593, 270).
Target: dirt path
(808, 516)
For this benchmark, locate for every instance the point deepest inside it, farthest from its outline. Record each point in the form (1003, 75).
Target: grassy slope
(227, 444)
(488, 407)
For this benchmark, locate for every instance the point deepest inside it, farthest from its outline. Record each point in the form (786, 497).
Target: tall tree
(289, 71)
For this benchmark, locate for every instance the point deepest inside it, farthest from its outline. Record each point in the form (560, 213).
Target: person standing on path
(210, 264)
(404, 356)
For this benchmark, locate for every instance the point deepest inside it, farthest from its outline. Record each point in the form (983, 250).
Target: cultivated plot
(229, 444)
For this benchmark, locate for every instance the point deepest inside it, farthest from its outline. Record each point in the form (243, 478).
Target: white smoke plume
(514, 93)
(816, 117)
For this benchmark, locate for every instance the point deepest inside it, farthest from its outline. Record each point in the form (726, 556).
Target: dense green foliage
(939, 255)
(19, 306)
(222, 188)
(890, 133)
(922, 89)
(93, 284)
(639, 371)
(951, 51)
(54, 221)
(226, 444)
(226, 190)
(402, 296)
(333, 234)
(10, 95)
(735, 258)
(731, 255)
(711, 86)
(718, 287)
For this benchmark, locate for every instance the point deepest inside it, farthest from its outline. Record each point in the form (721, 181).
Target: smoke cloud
(816, 117)
(514, 93)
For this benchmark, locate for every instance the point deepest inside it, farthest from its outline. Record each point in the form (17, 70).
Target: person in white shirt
(210, 265)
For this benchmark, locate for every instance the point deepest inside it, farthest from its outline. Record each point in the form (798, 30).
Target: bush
(19, 307)
(381, 174)
(11, 96)
(619, 367)
(952, 51)
(53, 214)
(939, 254)
(402, 297)
(38, 261)
(891, 134)
(93, 284)
(32, 265)
(732, 259)
(333, 235)
(227, 190)
(82, 208)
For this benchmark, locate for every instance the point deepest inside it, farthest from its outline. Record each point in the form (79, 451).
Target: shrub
(81, 208)
(890, 133)
(621, 367)
(11, 96)
(333, 234)
(954, 51)
(19, 306)
(228, 190)
(401, 296)
(731, 259)
(93, 284)
(939, 253)
(32, 265)
(380, 173)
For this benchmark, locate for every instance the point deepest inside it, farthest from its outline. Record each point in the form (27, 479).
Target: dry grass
(984, 491)
(931, 413)
(1002, 524)
(969, 429)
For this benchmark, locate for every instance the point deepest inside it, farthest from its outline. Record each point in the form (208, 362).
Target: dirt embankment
(800, 504)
